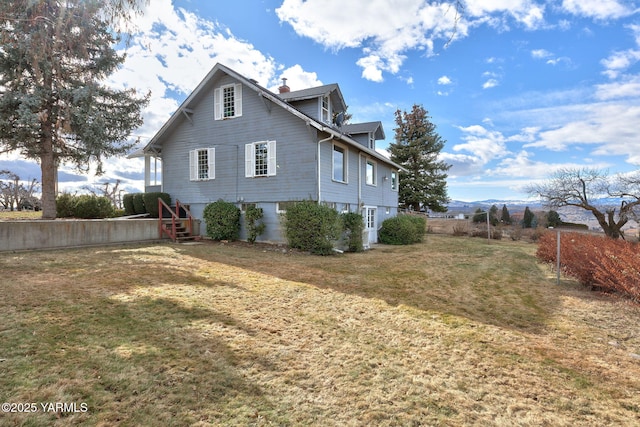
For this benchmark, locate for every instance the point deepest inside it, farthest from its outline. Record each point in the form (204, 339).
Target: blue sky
(517, 88)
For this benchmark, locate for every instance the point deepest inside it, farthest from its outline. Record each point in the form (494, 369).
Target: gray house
(234, 140)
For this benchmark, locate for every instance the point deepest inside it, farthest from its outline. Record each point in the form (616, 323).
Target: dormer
(365, 133)
(322, 102)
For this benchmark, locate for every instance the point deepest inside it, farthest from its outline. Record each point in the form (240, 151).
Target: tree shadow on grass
(497, 284)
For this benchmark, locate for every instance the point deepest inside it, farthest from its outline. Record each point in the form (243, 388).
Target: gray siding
(296, 157)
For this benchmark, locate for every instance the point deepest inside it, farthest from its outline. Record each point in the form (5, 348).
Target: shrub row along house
(234, 140)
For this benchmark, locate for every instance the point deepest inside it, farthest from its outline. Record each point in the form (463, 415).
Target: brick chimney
(284, 88)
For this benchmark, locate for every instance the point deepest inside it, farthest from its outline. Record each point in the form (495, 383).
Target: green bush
(151, 202)
(252, 215)
(223, 220)
(312, 227)
(65, 205)
(138, 203)
(93, 207)
(353, 225)
(84, 206)
(127, 203)
(402, 230)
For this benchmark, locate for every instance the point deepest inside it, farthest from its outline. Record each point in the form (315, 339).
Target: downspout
(319, 173)
(359, 181)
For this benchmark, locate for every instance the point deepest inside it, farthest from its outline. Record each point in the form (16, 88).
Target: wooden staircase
(175, 221)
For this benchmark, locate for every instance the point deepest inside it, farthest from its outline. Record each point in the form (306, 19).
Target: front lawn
(453, 331)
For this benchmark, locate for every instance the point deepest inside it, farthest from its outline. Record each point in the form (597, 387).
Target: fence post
(558, 258)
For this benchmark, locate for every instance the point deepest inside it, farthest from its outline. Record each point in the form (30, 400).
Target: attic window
(228, 101)
(372, 141)
(325, 113)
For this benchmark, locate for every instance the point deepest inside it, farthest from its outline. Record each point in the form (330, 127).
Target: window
(282, 207)
(326, 113)
(371, 172)
(260, 159)
(372, 141)
(202, 164)
(245, 206)
(394, 180)
(228, 101)
(339, 163)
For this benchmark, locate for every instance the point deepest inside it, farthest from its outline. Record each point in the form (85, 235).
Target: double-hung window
(260, 159)
(340, 163)
(370, 172)
(228, 101)
(202, 164)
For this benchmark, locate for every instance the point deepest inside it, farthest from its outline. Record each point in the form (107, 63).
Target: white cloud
(599, 9)
(541, 54)
(384, 30)
(490, 83)
(444, 80)
(525, 12)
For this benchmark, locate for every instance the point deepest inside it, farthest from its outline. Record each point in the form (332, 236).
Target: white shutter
(249, 158)
(217, 104)
(237, 99)
(271, 152)
(193, 165)
(211, 159)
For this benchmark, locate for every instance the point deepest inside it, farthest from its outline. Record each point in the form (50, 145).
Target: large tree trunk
(49, 171)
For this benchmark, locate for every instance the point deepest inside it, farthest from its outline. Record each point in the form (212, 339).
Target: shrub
(252, 215)
(596, 261)
(402, 230)
(65, 205)
(92, 207)
(312, 227)
(223, 220)
(460, 229)
(84, 206)
(127, 203)
(353, 226)
(150, 201)
(138, 203)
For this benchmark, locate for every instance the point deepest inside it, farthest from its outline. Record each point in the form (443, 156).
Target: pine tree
(54, 56)
(416, 148)
(505, 218)
(528, 218)
(493, 215)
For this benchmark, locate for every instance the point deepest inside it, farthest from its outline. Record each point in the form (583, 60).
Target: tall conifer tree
(416, 148)
(54, 106)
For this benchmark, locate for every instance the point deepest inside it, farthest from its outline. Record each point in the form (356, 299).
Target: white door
(370, 225)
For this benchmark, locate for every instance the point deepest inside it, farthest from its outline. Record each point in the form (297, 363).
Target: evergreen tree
(479, 216)
(553, 219)
(505, 218)
(416, 148)
(54, 108)
(528, 219)
(493, 216)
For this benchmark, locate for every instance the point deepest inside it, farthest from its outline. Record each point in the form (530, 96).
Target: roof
(367, 127)
(154, 145)
(313, 92)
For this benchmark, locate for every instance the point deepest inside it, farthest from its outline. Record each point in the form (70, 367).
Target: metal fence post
(558, 258)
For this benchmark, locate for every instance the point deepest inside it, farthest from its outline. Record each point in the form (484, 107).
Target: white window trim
(345, 163)
(193, 164)
(218, 101)
(326, 119)
(375, 172)
(250, 159)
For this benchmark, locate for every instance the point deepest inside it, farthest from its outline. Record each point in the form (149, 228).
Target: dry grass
(13, 215)
(449, 332)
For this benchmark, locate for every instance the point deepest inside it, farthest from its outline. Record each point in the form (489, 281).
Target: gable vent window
(202, 164)
(228, 101)
(260, 159)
